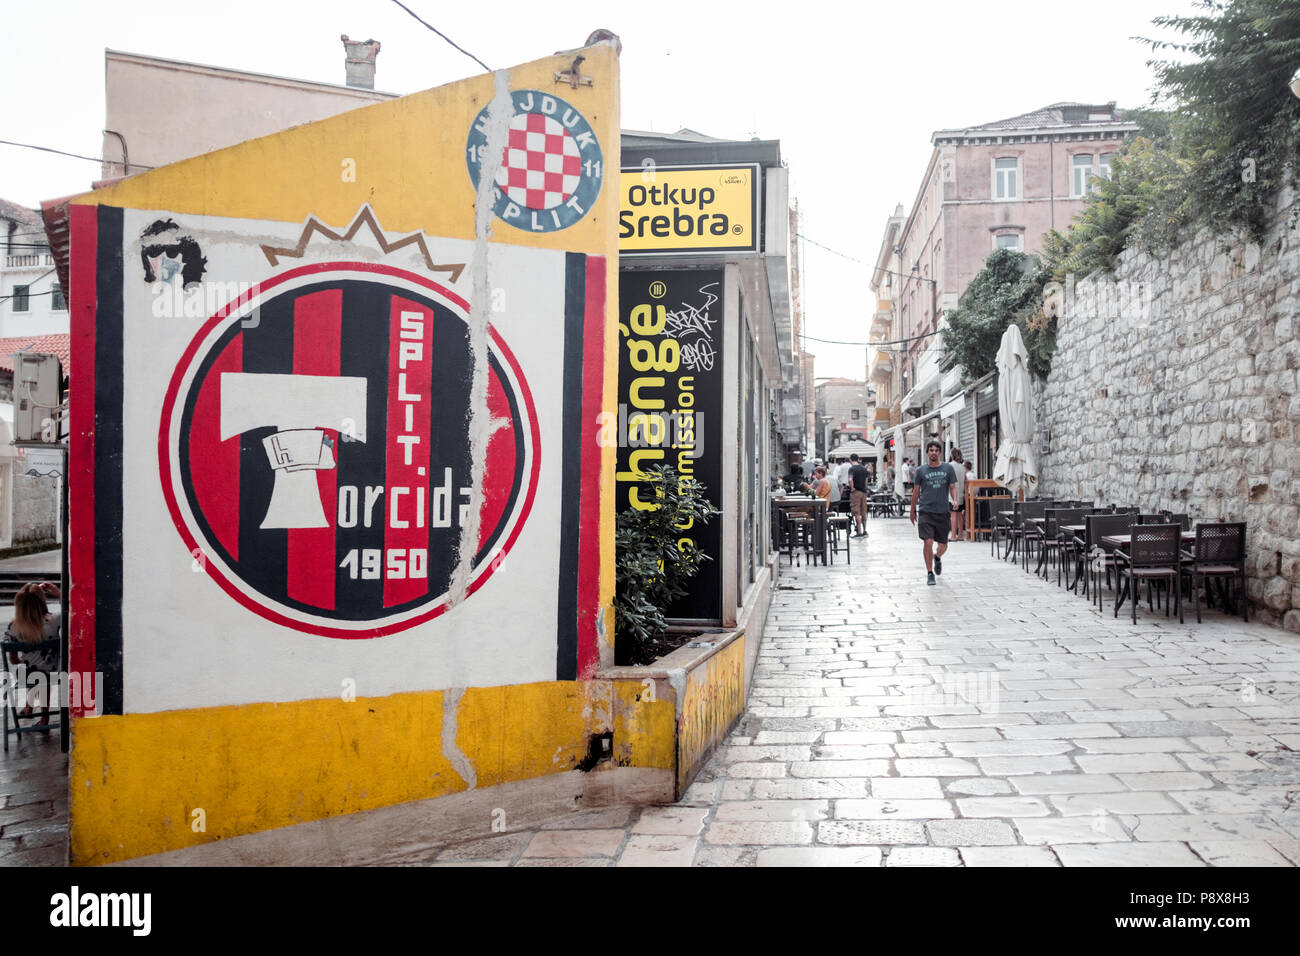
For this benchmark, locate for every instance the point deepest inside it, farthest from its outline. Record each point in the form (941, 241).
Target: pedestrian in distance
(860, 481)
(841, 475)
(935, 492)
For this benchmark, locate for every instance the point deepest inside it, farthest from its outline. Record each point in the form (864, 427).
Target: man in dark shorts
(935, 490)
(859, 479)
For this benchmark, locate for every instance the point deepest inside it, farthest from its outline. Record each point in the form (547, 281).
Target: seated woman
(821, 485)
(33, 624)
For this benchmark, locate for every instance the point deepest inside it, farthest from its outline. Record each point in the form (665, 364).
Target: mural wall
(339, 516)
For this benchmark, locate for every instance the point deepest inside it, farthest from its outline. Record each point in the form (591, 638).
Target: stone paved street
(992, 720)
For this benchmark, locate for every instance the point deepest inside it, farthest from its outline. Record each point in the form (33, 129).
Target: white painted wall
(187, 644)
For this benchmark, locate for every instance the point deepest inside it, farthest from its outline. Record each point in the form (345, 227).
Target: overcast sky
(852, 90)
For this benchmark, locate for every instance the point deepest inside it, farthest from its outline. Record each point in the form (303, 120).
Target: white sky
(852, 90)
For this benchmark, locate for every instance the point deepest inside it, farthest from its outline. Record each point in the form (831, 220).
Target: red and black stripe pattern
(396, 501)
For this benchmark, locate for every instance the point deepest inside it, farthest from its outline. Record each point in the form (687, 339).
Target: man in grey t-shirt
(935, 491)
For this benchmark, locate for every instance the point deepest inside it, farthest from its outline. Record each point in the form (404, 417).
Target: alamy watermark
(982, 689)
(80, 690)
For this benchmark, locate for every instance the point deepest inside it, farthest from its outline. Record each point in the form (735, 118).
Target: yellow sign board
(689, 209)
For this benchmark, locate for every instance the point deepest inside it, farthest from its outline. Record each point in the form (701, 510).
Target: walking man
(859, 479)
(935, 490)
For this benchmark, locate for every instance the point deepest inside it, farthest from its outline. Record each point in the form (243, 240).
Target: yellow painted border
(139, 779)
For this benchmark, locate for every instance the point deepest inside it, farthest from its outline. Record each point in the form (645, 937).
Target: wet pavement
(34, 806)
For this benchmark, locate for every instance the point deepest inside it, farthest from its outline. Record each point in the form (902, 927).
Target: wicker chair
(999, 525)
(1220, 552)
(1030, 533)
(1153, 556)
(1074, 548)
(1057, 542)
(1100, 558)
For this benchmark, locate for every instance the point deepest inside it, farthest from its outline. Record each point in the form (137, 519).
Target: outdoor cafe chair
(1219, 552)
(1100, 558)
(1153, 556)
(1152, 519)
(1044, 536)
(1075, 547)
(13, 719)
(986, 520)
(836, 524)
(1030, 533)
(1056, 542)
(1183, 520)
(1012, 530)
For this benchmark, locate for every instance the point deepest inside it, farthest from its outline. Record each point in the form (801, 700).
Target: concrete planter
(703, 681)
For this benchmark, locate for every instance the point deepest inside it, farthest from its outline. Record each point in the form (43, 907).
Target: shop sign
(689, 209)
(670, 405)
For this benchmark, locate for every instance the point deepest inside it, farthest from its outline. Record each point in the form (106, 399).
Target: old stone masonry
(1174, 386)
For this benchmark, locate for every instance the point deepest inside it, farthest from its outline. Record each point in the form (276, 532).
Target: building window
(1103, 170)
(1006, 178)
(854, 414)
(1010, 241)
(21, 301)
(1080, 174)
(57, 302)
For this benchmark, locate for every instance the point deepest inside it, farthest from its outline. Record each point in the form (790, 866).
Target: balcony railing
(38, 259)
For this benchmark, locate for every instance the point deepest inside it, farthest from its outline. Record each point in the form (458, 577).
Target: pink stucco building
(1001, 184)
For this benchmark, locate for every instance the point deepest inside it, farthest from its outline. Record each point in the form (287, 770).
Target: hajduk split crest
(314, 449)
(551, 167)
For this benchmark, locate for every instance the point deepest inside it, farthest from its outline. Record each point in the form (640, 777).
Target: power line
(443, 35)
(29, 285)
(93, 159)
(843, 255)
(913, 338)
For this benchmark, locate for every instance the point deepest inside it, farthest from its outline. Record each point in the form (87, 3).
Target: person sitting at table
(33, 624)
(795, 477)
(820, 487)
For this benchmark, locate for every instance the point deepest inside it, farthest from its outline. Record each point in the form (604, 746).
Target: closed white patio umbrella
(1015, 468)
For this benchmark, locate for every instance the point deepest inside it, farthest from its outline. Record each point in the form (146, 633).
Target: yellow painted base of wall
(148, 783)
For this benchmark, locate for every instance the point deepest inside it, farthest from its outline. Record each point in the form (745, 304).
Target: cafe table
(817, 507)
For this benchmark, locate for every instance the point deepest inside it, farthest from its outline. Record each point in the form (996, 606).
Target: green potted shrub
(652, 571)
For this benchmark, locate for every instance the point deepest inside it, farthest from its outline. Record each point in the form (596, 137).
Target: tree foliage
(1217, 153)
(1008, 289)
(651, 569)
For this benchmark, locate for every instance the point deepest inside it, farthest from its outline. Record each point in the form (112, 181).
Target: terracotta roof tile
(59, 345)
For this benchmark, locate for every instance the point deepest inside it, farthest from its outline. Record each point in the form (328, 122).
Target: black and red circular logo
(315, 450)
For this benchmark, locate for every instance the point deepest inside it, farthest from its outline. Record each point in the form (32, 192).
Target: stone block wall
(36, 509)
(1174, 385)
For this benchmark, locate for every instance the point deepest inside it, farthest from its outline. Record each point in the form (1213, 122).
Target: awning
(951, 407)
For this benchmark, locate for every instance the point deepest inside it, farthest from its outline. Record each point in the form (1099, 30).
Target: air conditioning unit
(37, 397)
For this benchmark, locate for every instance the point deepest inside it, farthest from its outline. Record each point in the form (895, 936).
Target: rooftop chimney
(361, 62)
